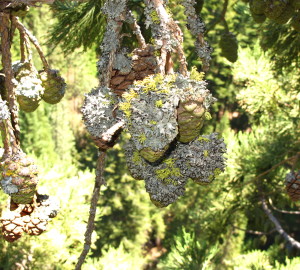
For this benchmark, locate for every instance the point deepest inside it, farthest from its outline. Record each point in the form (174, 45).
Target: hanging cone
(28, 86)
(292, 183)
(149, 109)
(54, 86)
(19, 178)
(190, 119)
(126, 70)
(229, 46)
(12, 225)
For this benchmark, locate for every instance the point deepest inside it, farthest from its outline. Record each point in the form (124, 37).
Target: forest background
(218, 226)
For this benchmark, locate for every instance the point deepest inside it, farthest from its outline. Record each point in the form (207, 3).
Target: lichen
(4, 111)
(98, 111)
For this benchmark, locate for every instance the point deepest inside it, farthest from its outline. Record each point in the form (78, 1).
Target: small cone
(190, 119)
(54, 86)
(142, 64)
(19, 178)
(12, 225)
(292, 182)
(229, 46)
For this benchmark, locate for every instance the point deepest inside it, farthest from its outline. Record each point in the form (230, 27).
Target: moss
(195, 75)
(157, 53)
(152, 122)
(128, 96)
(205, 153)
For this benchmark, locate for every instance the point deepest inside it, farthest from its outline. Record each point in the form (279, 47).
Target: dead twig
(278, 226)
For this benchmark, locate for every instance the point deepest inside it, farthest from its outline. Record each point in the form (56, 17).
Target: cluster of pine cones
(164, 115)
(279, 11)
(29, 218)
(32, 86)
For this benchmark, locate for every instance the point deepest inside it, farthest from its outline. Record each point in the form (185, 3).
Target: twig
(33, 39)
(99, 181)
(7, 66)
(283, 211)
(197, 28)
(278, 226)
(5, 4)
(136, 29)
(254, 232)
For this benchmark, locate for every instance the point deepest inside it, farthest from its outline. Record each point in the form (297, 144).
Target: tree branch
(8, 71)
(25, 32)
(283, 211)
(93, 208)
(278, 226)
(136, 29)
(254, 232)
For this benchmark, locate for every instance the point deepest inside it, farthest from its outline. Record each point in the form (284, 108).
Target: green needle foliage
(79, 24)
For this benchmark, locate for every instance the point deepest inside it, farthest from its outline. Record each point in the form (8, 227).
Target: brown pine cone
(19, 178)
(142, 64)
(36, 223)
(292, 182)
(12, 225)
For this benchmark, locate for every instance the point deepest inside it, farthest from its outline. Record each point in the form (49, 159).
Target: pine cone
(35, 223)
(12, 225)
(229, 46)
(54, 86)
(129, 69)
(28, 86)
(19, 178)
(190, 119)
(98, 115)
(292, 183)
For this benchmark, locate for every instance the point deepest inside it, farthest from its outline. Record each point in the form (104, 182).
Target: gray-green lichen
(202, 160)
(97, 111)
(7, 186)
(197, 27)
(4, 111)
(150, 105)
(163, 181)
(149, 109)
(115, 12)
(28, 86)
(123, 63)
(161, 32)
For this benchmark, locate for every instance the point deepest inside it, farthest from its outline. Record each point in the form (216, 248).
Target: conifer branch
(8, 71)
(99, 181)
(24, 31)
(136, 29)
(278, 226)
(283, 211)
